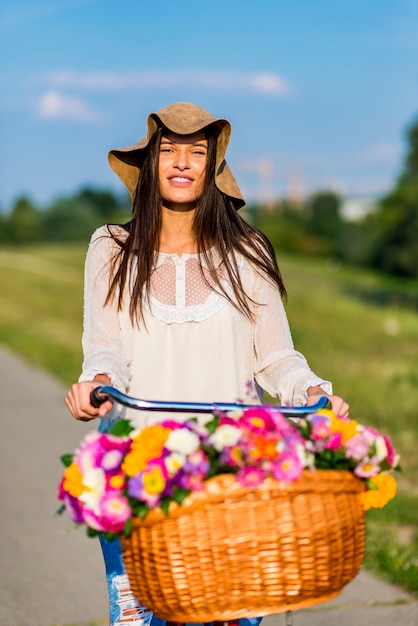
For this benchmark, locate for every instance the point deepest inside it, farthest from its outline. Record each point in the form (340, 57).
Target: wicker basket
(231, 552)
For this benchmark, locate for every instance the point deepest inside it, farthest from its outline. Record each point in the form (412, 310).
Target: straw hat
(183, 118)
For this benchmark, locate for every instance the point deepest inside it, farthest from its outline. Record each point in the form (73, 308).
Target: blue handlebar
(101, 394)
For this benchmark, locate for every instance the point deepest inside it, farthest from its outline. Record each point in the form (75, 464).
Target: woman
(184, 302)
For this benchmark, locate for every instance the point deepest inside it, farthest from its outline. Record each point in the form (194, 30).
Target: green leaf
(140, 509)
(213, 424)
(122, 428)
(67, 459)
(127, 529)
(109, 536)
(164, 504)
(91, 532)
(61, 510)
(180, 494)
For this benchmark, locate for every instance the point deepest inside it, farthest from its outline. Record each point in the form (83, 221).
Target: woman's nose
(181, 159)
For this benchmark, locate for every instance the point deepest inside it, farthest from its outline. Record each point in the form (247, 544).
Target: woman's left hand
(339, 406)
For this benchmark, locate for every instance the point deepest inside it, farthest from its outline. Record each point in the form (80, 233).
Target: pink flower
(114, 510)
(90, 452)
(94, 520)
(368, 467)
(334, 441)
(111, 460)
(392, 457)
(251, 476)
(357, 447)
(320, 427)
(288, 467)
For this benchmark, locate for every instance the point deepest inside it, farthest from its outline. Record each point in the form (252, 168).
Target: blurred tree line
(70, 219)
(385, 239)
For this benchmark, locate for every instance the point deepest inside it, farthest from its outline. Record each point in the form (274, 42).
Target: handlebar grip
(97, 398)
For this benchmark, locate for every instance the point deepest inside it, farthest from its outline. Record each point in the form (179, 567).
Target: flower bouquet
(268, 509)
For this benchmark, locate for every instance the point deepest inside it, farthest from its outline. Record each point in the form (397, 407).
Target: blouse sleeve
(279, 369)
(106, 350)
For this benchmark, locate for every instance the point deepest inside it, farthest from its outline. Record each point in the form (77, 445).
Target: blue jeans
(124, 608)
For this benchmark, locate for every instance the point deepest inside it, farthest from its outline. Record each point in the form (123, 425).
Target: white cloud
(55, 105)
(264, 83)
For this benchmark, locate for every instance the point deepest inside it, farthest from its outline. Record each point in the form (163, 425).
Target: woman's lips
(180, 180)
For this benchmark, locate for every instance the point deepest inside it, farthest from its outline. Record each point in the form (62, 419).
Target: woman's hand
(78, 400)
(339, 406)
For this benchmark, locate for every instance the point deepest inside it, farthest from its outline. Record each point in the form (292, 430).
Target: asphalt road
(51, 573)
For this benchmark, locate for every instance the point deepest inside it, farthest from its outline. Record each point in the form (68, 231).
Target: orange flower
(383, 489)
(265, 448)
(73, 481)
(147, 445)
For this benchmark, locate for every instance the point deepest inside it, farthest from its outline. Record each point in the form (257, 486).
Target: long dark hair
(217, 227)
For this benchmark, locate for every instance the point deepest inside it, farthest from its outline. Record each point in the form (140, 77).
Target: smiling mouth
(181, 179)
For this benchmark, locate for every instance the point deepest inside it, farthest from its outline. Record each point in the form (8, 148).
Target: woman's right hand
(78, 400)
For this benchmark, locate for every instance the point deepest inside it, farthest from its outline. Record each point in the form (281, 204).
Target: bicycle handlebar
(105, 392)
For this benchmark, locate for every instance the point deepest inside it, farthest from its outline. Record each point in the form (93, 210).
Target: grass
(365, 343)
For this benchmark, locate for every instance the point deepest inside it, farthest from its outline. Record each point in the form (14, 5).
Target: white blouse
(195, 346)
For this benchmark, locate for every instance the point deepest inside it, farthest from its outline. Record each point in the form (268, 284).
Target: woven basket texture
(230, 551)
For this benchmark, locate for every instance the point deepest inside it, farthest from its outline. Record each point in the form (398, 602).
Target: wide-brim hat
(182, 118)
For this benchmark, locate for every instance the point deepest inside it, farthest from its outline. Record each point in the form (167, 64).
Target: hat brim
(182, 119)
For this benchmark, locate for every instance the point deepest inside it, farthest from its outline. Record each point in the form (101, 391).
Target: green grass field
(358, 329)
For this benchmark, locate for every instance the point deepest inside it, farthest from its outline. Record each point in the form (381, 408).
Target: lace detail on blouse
(179, 293)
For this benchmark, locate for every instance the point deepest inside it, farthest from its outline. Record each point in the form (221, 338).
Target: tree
(24, 224)
(103, 202)
(396, 223)
(68, 219)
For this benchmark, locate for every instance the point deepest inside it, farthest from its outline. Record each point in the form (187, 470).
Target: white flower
(183, 441)
(174, 462)
(94, 481)
(306, 458)
(381, 448)
(225, 436)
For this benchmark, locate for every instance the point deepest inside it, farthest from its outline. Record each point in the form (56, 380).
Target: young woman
(184, 302)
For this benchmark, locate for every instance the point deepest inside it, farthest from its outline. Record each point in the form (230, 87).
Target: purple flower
(74, 508)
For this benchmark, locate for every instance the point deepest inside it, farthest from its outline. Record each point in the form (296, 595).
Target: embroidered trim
(198, 313)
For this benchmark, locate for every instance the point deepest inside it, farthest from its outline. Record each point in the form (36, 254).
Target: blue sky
(319, 93)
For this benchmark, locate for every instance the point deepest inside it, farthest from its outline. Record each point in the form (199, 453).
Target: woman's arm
(106, 348)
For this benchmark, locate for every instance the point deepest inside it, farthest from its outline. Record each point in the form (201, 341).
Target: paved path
(52, 574)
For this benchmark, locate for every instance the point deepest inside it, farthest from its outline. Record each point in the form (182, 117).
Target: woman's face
(182, 169)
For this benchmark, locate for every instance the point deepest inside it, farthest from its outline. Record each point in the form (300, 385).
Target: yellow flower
(383, 490)
(147, 445)
(348, 429)
(73, 480)
(117, 481)
(154, 481)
